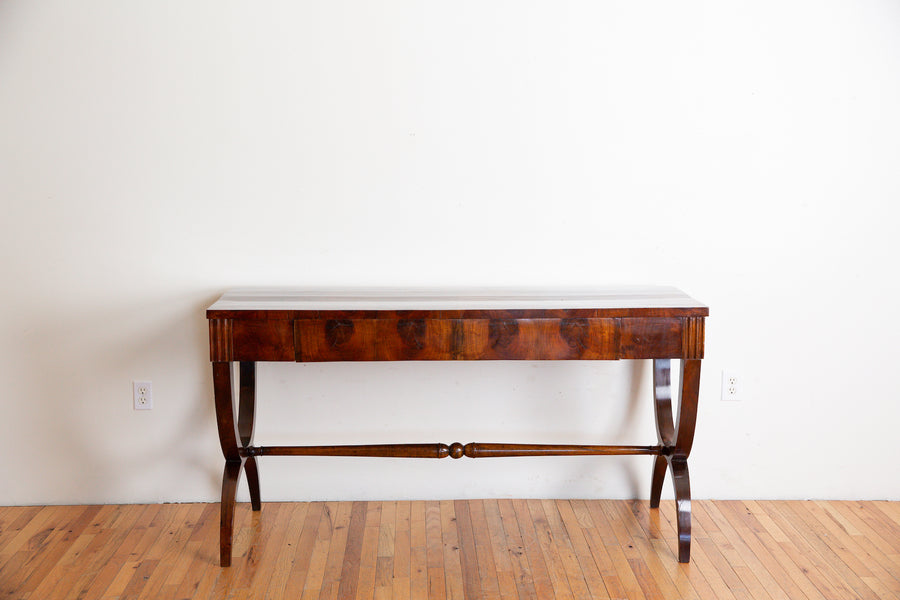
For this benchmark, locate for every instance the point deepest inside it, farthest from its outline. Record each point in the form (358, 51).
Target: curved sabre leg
(226, 524)
(682, 484)
(676, 442)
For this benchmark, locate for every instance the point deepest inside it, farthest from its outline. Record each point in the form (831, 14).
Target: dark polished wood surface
(252, 325)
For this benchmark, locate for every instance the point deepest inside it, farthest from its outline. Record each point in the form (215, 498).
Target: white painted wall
(153, 154)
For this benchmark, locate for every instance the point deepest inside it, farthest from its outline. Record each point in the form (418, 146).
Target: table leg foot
(226, 511)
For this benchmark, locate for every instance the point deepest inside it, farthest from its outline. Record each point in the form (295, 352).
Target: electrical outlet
(731, 386)
(143, 395)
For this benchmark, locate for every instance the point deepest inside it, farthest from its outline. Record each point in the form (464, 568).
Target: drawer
(319, 340)
(552, 339)
(454, 339)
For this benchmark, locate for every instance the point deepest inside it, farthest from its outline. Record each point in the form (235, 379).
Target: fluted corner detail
(692, 335)
(220, 349)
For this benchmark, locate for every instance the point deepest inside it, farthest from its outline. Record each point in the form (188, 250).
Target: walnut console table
(247, 326)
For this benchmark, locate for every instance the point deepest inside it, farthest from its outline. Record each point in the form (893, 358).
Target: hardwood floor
(443, 550)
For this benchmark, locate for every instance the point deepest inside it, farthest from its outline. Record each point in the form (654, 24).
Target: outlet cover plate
(143, 395)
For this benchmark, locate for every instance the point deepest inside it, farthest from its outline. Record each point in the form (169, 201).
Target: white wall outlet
(143, 395)
(731, 386)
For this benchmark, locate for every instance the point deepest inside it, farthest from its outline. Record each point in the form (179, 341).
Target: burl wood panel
(369, 339)
(334, 339)
(455, 339)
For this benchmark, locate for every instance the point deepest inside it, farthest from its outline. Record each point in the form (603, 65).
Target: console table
(247, 326)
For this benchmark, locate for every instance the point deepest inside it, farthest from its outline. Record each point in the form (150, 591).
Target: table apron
(374, 339)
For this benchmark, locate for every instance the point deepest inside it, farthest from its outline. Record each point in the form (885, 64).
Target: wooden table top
(616, 300)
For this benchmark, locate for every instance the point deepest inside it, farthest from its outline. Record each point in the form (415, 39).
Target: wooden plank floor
(495, 549)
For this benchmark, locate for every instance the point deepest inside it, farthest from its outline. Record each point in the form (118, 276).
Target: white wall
(153, 154)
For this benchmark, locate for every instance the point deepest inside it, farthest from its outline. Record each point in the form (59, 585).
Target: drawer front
(552, 339)
(454, 339)
(335, 339)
